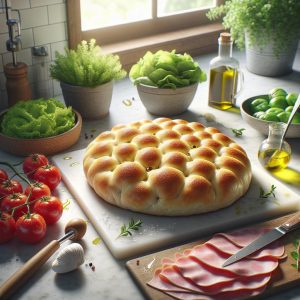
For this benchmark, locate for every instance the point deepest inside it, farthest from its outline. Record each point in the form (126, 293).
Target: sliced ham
(197, 273)
(228, 246)
(205, 254)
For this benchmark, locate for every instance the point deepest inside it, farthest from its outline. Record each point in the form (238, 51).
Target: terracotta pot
(92, 103)
(166, 102)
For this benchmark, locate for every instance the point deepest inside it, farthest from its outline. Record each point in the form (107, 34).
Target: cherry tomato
(14, 200)
(37, 190)
(31, 228)
(8, 187)
(49, 174)
(7, 227)
(50, 208)
(32, 162)
(3, 175)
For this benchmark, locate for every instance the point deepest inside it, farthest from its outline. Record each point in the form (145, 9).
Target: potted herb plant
(86, 78)
(166, 81)
(268, 29)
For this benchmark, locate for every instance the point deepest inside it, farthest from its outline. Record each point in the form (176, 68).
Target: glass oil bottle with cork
(225, 76)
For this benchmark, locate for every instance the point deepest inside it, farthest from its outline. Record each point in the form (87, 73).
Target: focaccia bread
(167, 167)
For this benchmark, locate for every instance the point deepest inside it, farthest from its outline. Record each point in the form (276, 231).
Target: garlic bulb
(68, 259)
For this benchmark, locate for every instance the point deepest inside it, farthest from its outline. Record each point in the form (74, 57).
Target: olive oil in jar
(222, 87)
(274, 159)
(224, 73)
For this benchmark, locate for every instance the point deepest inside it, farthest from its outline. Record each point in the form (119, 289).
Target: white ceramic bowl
(166, 102)
(261, 125)
(47, 146)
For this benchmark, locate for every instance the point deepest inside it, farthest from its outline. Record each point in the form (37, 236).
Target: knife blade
(265, 239)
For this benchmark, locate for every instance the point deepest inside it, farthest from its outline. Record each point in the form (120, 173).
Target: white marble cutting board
(158, 232)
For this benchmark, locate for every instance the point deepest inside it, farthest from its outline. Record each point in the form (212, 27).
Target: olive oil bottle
(224, 74)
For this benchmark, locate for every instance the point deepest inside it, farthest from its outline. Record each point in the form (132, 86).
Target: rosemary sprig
(238, 132)
(263, 194)
(295, 255)
(133, 225)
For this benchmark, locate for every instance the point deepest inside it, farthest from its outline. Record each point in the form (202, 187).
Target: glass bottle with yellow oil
(224, 76)
(272, 154)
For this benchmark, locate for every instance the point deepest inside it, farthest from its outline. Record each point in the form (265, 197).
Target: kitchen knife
(265, 239)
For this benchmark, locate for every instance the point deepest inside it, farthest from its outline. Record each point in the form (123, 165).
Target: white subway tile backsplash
(34, 17)
(2, 82)
(22, 56)
(59, 47)
(57, 13)
(3, 26)
(35, 3)
(56, 88)
(3, 100)
(3, 39)
(43, 24)
(49, 34)
(27, 38)
(17, 4)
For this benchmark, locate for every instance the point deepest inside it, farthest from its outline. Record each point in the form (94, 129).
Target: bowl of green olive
(276, 106)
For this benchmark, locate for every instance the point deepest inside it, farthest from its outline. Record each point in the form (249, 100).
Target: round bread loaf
(167, 167)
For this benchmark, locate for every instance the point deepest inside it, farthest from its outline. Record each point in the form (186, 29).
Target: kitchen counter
(110, 280)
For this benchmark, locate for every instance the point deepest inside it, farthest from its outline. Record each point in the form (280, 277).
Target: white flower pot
(263, 61)
(166, 102)
(92, 103)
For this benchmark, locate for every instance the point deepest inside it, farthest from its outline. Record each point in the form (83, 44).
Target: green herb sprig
(238, 132)
(295, 254)
(133, 225)
(263, 194)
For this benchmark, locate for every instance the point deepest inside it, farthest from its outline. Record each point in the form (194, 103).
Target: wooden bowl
(262, 125)
(47, 146)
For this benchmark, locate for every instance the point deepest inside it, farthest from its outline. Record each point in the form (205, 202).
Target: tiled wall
(43, 24)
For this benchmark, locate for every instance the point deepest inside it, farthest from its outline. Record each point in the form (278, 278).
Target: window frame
(178, 31)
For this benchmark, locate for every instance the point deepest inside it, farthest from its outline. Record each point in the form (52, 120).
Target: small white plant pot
(263, 61)
(166, 102)
(92, 103)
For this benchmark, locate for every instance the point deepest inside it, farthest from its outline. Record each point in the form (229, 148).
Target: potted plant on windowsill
(268, 29)
(86, 78)
(166, 81)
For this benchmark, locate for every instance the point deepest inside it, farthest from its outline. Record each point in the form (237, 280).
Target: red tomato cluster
(27, 213)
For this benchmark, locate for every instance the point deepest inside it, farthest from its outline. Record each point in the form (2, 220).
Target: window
(130, 28)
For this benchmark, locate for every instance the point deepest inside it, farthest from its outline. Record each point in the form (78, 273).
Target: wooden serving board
(142, 268)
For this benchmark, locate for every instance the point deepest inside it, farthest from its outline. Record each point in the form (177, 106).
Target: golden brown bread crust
(167, 167)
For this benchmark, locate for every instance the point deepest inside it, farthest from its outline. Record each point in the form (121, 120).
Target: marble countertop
(110, 280)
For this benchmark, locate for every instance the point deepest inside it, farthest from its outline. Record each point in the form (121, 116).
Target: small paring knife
(265, 239)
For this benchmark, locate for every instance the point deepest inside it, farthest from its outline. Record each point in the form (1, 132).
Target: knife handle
(292, 223)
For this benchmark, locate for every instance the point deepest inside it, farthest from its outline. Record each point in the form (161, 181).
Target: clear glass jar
(269, 154)
(224, 76)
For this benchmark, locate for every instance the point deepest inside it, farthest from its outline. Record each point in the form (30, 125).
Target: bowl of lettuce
(166, 81)
(44, 126)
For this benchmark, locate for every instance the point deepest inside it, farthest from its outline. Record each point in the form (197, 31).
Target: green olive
(291, 98)
(269, 117)
(278, 101)
(296, 119)
(275, 110)
(289, 109)
(277, 92)
(284, 116)
(258, 114)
